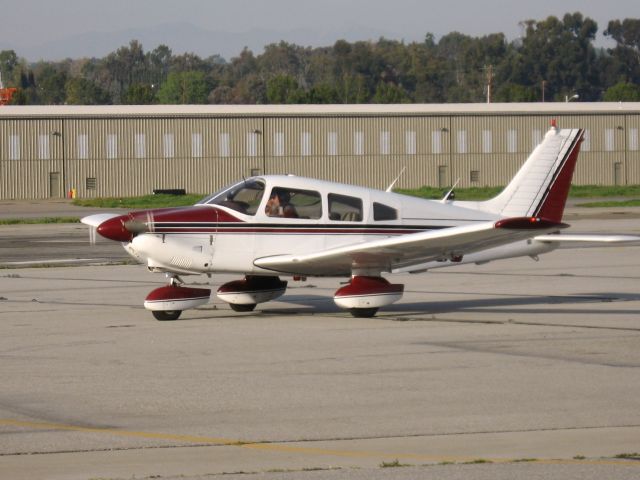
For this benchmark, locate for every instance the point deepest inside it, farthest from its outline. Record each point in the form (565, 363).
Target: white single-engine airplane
(273, 225)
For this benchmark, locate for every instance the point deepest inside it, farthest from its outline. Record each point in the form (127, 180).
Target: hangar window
(512, 141)
(586, 141)
(196, 145)
(462, 141)
(278, 144)
(332, 143)
(609, 139)
(536, 138)
(385, 144)
(169, 150)
(436, 142)
(345, 208)
(384, 212)
(223, 147)
(633, 139)
(410, 142)
(14, 147)
(83, 146)
(112, 146)
(305, 144)
(252, 144)
(43, 147)
(487, 141)
(140, 145)
(358, 143)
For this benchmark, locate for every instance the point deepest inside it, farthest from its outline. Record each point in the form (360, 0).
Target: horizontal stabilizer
(589, 240)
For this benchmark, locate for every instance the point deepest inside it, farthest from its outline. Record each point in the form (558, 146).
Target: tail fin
(541, 186)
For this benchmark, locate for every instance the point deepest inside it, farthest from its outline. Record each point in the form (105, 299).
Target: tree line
(554, 60)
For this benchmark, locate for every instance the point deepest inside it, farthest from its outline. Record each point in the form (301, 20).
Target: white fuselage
(329, 215)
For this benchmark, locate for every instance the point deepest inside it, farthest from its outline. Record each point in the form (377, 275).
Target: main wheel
(163, 315)
(363, 312)
(242, 307)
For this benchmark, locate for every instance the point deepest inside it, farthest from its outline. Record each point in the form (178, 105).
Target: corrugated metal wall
(132, 155)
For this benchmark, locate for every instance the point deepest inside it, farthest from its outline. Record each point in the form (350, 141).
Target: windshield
(243, 197)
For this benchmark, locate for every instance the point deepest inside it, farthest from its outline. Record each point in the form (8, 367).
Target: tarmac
(514, 369)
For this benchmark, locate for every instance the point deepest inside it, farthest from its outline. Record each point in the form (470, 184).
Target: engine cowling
(251, 290)
(173, 297)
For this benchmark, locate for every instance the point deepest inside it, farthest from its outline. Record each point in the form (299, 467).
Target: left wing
(404, 250)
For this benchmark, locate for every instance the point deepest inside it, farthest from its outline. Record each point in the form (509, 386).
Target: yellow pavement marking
(290, 448)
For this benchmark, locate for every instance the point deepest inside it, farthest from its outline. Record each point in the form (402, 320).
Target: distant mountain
(184, 37)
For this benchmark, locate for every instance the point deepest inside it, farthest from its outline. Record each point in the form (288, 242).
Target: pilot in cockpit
(279, 204)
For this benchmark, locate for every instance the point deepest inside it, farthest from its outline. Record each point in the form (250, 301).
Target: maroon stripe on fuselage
(286, 231)
(210, 220)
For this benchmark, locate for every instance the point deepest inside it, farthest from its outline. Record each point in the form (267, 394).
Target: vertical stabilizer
(541, 186)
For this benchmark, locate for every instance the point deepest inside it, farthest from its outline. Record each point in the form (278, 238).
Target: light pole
(567, 98)
(257, 131)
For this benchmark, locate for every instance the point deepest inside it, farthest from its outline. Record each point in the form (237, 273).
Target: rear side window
(345, 208)
(384, 212)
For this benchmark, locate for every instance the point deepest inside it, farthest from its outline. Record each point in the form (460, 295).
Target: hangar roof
(576, 108)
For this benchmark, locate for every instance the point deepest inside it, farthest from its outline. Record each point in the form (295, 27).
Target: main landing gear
(363, 295)
(243, 295)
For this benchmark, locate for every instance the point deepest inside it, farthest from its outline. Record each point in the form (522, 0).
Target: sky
(58, 28)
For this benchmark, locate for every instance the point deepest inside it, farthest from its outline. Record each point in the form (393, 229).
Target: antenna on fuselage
(450, 195)
(390, 187)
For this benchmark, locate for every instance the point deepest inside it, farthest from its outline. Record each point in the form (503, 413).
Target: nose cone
(114, 229)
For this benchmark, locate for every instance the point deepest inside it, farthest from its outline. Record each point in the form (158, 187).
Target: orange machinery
(6, 94)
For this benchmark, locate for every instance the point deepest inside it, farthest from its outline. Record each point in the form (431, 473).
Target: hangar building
(133, 150)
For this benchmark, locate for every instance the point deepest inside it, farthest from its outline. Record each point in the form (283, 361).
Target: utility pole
(544, 84)
(489, 82)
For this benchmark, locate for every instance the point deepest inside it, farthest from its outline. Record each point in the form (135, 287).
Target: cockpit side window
(294, 203)
(244, 197)
(384, 212)
(345, 208)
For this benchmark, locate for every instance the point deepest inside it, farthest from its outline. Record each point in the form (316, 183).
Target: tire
(164, 315)
(363, 312)
(242, 307)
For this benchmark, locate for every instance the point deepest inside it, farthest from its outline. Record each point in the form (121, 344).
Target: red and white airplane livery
(282, 225)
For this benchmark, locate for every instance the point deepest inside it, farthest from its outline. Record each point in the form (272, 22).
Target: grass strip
(40, 220)
(146, 201)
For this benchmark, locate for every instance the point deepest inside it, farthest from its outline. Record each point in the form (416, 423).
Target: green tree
(511, 92)
(623, 92)
(390, 93)
(323, 94)
(8, 62)
(626, 54)
(185, 88)
(561, 53)
(51, 83)
(81, 91)
(139, 94)
(284, 89)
